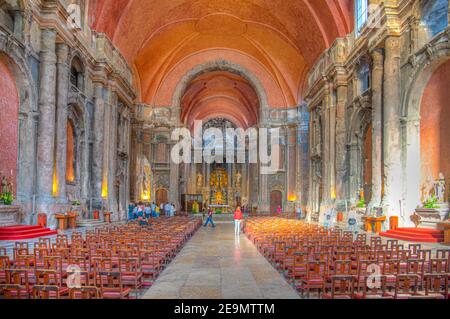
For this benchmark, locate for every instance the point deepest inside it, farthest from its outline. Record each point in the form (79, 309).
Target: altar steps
(419, 235)
(91, 223)
(19, 232)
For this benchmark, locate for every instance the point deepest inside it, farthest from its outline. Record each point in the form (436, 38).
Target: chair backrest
(391, 267)
(406, 284)
(89, 292)
(439, 265)
(46, 277)
(110, 280)
(45, 292)
(3, 251)
(317, 269)
(10, 291)
(342, 286)
(5, 263)
(18, 277)
(375, 285)
(342, 267)
(437, 284)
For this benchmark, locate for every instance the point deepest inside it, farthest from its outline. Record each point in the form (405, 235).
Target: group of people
(239, 215)
(144, 212)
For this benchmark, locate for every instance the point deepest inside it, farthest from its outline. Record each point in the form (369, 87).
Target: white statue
(238, 179)
(439, 188)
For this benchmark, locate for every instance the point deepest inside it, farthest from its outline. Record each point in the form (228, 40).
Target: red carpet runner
(24, 232)
(420, 235)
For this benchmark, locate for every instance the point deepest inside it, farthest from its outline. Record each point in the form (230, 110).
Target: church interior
(95, 202)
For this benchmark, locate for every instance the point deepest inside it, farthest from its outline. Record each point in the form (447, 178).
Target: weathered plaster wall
(434, 125)
(9, 105)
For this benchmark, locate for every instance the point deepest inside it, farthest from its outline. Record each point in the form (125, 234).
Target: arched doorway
(276, 199)
(9, 119)
(434, 130)
(161, 196)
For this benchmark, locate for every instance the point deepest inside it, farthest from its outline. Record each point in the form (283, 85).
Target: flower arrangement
(431, 203)
(7, 198)
(361, 203)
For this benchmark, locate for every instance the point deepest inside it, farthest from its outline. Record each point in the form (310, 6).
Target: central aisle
(215, 265)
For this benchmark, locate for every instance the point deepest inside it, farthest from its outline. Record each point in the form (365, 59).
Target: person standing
(153, 209)
(279, 211)
(210, 219)
(351, 220)
(237, 221)
(299, 212)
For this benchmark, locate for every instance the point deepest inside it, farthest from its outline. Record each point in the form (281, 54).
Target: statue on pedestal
(199, 180)
(4, 184)
(237, 180)
(439, 188)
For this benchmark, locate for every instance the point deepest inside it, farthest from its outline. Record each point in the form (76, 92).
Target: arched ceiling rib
(283, 38)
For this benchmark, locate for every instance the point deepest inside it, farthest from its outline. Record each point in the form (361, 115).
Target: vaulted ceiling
(275, 40)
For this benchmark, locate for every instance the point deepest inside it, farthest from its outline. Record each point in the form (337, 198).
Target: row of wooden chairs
(314, 258)
(115, 260)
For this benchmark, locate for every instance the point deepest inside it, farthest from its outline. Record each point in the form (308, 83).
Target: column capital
(377, 57)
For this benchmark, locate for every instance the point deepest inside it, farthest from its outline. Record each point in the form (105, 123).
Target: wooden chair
(84, 293)
(11, 291)
(406, 287)
(374, 287)
(50, 277)
(437, 286)
(111, 285)
(342, 287)
(131, 272)
(18, 278)
(316, 273)
(46, 292)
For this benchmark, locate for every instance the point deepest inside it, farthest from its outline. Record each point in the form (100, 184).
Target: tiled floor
(216, 265)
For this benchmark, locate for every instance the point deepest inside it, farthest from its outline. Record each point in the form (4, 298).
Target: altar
(374, 224)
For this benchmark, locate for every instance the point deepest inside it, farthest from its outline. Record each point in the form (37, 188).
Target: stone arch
(78, 117)
(422, 66)
(77, 67)
(222, 65)
(359, 125)
(14, 59)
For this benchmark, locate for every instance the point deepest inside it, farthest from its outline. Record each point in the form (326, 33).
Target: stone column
(331, 136)
(18, 24)
(174, 186)
(97, 149)
(391, 134)
(62, 52)
(377, 111)
(46, 127)
(354, 158)
(292, 159)
(111, 160)
(341, 101)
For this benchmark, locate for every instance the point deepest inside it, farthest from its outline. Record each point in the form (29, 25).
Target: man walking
(210, 219)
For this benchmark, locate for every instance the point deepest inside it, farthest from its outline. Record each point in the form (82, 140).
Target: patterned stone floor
(216, 265)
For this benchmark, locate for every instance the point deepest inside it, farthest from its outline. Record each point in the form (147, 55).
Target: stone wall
(41, 46)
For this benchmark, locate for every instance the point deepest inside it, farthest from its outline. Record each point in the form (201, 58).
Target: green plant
(361, 203)
(431, 203)
(76, 203)
(7, 198)
(218, 211)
